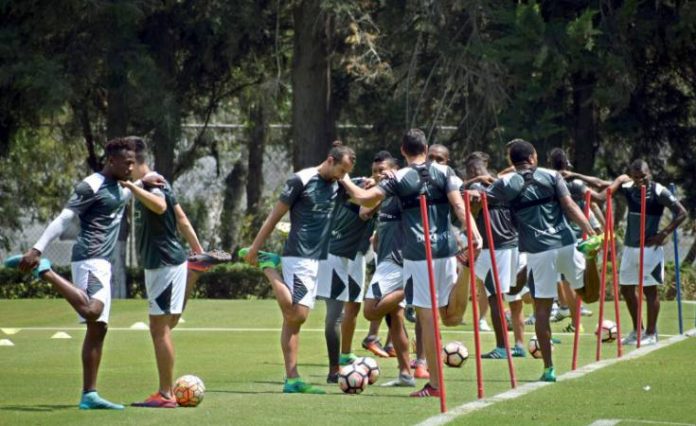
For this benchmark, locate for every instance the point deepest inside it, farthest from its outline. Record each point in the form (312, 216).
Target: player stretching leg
(310, 196)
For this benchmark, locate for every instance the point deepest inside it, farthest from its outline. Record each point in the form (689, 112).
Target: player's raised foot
(332, 378)
(420, 371)
(266, 259)
(426, 392)
(570, 328)
(157, 400)
(518, 352)
(92, 401)
(591, 246)
(204, 261)
(347, 359)
(497, 353)
(43, 266)
(404, 380)
(549, 375)
(372, 344)
(297, 385)
(389, 349)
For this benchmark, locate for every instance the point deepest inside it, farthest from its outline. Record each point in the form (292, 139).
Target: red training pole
(640, 268)
(615, 274)
(603, 280)
(578, 298)
(498, 292)
(474, 299)
(433, 299)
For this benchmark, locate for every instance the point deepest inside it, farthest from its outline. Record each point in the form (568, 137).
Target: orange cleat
(157, 400)
(426, 391)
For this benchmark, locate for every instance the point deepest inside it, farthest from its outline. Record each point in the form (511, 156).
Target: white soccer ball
(352, 379)
(535, 348)
(608, 330)
(371, 366)
(455, 354)
(189, 390)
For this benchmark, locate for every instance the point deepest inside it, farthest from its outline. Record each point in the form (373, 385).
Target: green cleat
(549, 375)
(296, 385)
(347, 359)
(92, 401)
(591, 246)
(518, 352)
(266, 259)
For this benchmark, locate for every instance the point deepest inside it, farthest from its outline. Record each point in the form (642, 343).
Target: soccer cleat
(296, 385)
(648, 340)
(204, 261)
(631, 339)
(497, 353)
(591, 246)
(92, 401)
(554, 311)
(372, 344)
(332, 378)
(570, 328)
(266, 259)
(561, 314)
(43, 266)
(531, 320)
(555, 340)
(426, 392)
(157, 400)
(389, 349)
(347, 359)
(483, 325)
(549, 375)
(410, 314)
(404, 380)
(585, 312)
(518, 352)
(420, 371)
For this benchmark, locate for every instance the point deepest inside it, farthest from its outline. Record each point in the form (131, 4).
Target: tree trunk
(231, 217)
(258, 136)
(584, 122)
(313, 126)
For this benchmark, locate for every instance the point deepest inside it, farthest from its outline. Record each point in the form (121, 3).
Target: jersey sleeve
(389, 186)
(81, 198)
(666, 198)
(560, 186)
(502, 190)
(454, 182)
(292, 190)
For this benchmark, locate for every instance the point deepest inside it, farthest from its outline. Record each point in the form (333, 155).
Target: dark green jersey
(312, 201)
(657, 197)
(390, 239)
(158, 244)
(533, 199)
(99, 203)
(407, 188)
(350, 235)
(577, 189)
(502, 225)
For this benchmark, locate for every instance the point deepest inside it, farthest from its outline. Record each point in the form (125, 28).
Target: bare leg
(425, 317)
(517, 317)
(453, 313)
(400, 340)
(164, 351)
(497, 324)
(376, 309)
(567, 297)
(92, 354)
(629, 294)
(542, 312)
(482, 300)
(191, 280)
(652, 298)
(89, 309)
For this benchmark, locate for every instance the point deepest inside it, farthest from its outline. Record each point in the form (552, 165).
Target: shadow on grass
(37, 408)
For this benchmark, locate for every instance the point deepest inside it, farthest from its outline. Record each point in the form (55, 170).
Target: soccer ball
(189, 390)
(608, 331)
(370, 365)
(352, 379)
(455, 354)
(535, 348)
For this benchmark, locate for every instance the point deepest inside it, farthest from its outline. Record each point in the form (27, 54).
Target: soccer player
(441, 188)
(310, 196)
(540, 203)
(98, 201)
(158, 215)
(657, 198)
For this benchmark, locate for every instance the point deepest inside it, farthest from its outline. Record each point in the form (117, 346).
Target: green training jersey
(158, 243)
(99, 202)
(657, 197)
(533, 196)
(350, 234)
(502, 226)
(312, 201)
(390, 239)
(436, 181)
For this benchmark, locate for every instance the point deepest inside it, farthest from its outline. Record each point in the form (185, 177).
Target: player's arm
(365, 197)
(457, 203)
(184, 226)
(614, 186)
(366, 213)
(31, 258)
(154, 200)
(279, 210)
(590, 180)
(679, 213)
(573, 212)
(598, 215)
(483, 179)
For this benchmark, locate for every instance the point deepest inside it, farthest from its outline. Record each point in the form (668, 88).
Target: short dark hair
(140, 148)
(558, 159)
(381, 156)
(639, 165)
(116, 146)
(477, 156)
(520, 150)
(414, 142)
(338, 151)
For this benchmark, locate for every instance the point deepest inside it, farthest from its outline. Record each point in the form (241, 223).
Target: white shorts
(388, 278)
(543, 269)
(166, 288)
(521, 264)
(300, 276)
(341, 278)
(417, 284)
(93, 276)
(506, 261)
(653, 266)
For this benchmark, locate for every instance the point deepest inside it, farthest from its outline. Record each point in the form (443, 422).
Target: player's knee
(370, 313)
(296, 317)
(452, 320)
(92, 312)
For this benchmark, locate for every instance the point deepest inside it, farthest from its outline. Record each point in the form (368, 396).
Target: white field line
(612, 422)
(470, 407)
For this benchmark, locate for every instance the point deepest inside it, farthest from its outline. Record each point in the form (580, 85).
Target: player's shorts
(653, 266)
(417, 284)
(543, 270)
(388, 278)
(166, 288)
(341, 278)
(506, 261)
(93, 276)
(300, 276)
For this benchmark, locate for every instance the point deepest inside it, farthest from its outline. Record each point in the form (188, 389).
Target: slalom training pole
(578, 298)
(614, 273)
(677, 272)
(498, 292)
(603, 281)
(640, 267)
(474, 298)
(433, 299)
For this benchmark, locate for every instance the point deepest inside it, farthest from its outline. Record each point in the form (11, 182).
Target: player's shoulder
(547, 173)
(90, 184)
(628, 186)
(660, 189)
(306, 175)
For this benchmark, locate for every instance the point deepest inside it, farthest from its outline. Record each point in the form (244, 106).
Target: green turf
(243, 372)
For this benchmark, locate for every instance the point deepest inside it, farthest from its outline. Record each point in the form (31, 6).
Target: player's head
(521, 152)
(558, 159)
(439, 154)
(382, 162)
(120, 158)
(639, 171)
(140, 149)
(413, 143)
(476, 166)
(340, 160)
(478, 156)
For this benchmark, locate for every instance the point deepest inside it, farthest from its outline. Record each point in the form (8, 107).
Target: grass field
(233, 346)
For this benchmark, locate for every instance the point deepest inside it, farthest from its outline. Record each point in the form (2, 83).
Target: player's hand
(388, 174)
(567, 174)
(153, 179)
(252, 257)
(656, 240)
(474, 195)
(126, 184)
(624, 179)
(369, 183)
(30, 260)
